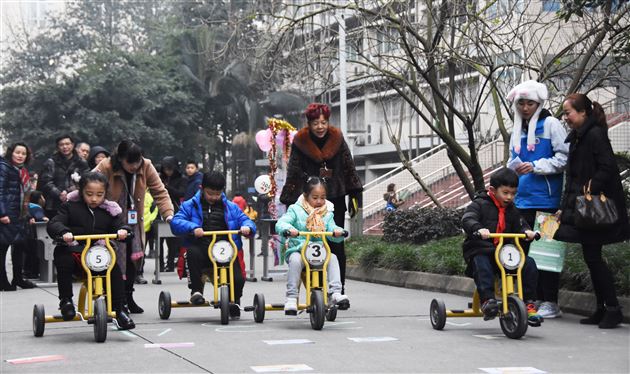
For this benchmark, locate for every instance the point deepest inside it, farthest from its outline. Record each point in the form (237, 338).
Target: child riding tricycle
(95, 297)
(306, 227)
(90, 218)
(210, 213)
(488, 221)
(222, 254)
(512, 311)
(322, 302)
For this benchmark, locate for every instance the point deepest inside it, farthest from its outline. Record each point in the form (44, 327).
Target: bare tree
(453, 62)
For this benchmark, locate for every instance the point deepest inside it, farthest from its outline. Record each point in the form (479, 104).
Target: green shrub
(444, 256)
(418, 226)
(623, 162)
(576, 276)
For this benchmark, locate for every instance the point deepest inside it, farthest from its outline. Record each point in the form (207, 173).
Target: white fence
(431, 166)
(619, 136)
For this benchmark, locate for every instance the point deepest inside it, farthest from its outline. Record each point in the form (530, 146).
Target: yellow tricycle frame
(222, 275)
(314, 278)
(92, 285)
(507, 280)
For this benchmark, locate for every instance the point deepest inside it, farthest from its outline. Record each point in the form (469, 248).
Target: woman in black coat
(591, 159)
(320, 150)
(14, 183)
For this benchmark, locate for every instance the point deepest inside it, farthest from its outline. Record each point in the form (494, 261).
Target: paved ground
(386, 330)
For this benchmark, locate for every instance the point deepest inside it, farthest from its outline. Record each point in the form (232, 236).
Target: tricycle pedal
(248, 309)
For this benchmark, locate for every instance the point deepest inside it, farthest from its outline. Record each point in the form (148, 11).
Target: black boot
(612, 317)
(122, 318)
(23, 283)
(66, 306)
(595, 318)
(5, 285)
(131, 304)
(235, 311)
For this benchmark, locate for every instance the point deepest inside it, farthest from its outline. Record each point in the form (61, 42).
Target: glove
(354, 204)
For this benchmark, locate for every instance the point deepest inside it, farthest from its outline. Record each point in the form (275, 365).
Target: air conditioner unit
(373, 134)
(360, 140)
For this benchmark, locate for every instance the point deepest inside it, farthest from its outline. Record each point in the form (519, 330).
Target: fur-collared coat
(307, 159)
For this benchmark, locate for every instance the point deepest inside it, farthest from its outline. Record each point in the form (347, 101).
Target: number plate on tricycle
(315, 253)
(222, 251)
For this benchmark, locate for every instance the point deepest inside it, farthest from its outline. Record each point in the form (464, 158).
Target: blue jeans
(485, 268)
(295, 269)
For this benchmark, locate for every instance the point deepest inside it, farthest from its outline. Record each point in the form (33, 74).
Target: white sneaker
(340, 300)
(290, 307)
(549, 310)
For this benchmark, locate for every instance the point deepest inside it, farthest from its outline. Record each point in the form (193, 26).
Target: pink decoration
(280, 138)
(263, 139)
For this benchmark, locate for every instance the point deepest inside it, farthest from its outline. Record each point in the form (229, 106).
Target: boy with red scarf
(494, 212)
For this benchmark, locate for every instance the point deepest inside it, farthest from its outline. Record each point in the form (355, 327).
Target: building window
(386, 40)
(551, 5)
(508, 74)
(502, 8)
(354, 47)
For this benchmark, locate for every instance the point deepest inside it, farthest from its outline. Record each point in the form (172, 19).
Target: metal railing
(619, 136)
(431, 169)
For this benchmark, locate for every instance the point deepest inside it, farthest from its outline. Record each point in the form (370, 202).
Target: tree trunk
(474, 168)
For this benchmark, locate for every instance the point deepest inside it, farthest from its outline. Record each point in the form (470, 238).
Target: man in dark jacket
(494, 212)
(175, 184)
(61, 174)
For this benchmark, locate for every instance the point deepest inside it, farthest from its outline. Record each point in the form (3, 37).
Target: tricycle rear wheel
(39, 320)
(437, 314)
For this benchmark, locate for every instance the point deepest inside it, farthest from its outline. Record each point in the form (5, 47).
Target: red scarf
(501, 222)
(24, 178)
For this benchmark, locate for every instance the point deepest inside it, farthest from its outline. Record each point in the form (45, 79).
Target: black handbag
(594, 212)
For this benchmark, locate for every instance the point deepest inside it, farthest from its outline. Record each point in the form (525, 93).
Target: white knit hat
(529, 90)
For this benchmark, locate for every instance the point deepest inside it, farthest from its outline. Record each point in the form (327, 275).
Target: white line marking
(281, 368)
(164, 332)
(32, 360)
(170, 345)
(289, 341)
(513, 370)
(458, 324)
(239, 329)
(372, 339)
(341, 326)
(489, 337)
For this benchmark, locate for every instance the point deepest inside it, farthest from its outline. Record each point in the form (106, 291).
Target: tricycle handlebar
(287, 233)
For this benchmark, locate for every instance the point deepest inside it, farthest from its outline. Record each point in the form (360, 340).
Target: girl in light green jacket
(311, 212)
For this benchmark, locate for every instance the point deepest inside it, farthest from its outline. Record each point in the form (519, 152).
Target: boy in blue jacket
(210, 210)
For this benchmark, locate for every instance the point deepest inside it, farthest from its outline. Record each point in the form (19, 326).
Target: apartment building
(517, 38)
